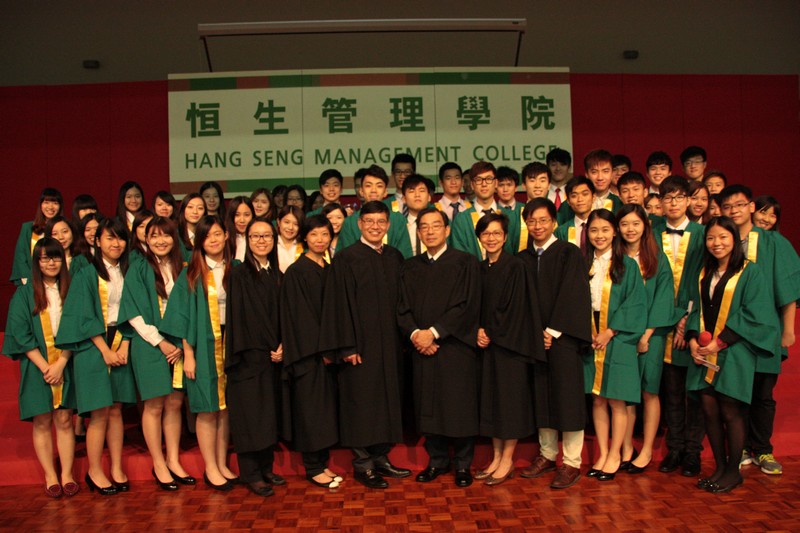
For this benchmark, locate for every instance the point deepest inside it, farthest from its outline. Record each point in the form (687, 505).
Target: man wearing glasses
(403, 165)
(694, 163)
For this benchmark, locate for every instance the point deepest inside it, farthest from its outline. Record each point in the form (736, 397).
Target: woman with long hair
(130, 201)
(611, 371)
(85, 233)
(62, 230)
(310, 375)
(336, 214)
(662, 315)
(263, 207)
(138, 244)
(768, 213)
(213, 198)
(104, 381)
(733, 324)
(46, 388)
(165, 205)
(698, 202)
(51, 203)
(279, 197)
(192, 210)
(157, 363)
(240, 213)
(290, 248)
(195, 317)
(83, 205)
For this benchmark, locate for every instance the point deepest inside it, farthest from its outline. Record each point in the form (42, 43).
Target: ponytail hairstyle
(174, 259)
(50, 248)
(198, 269)
(648, 250)
(118, 228)
(617, 267)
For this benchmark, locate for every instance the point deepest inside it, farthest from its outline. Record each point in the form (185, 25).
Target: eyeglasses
(538, 222)
(369, 222)
(261, 237)
(737, 205)
(406, 172)
(673, 199)
(495, 234)
(44, 260)
(435, 227)
(691, 162)
(481, 181)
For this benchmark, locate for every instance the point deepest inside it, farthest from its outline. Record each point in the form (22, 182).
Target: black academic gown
(252, 331)
(515, 330)
(358, 316)
(311, 383)
(444, 295)
(565, 305)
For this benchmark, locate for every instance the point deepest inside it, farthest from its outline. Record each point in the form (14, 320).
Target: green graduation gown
(77, 263)
(139, 298)
(397, 236)
(24, 333)
(462, 233)
(96, 384)
(21, 267)
(617, 364)
(565, 212)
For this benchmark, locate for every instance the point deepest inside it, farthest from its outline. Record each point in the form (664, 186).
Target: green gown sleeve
(787, 270)
(82, 316)
(398, 234)
(628, 312)
(179, 316)
(19, 335)
(21, 267)
(662, 313)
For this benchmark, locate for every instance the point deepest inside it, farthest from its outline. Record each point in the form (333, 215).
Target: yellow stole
(572, 235)
(676, 264)
(177, 368)
(53, 353)
(298, 251)
(600, 355)
(327, 256)
(476, 216)
(219, 344)
(395, 206)
(34, 239)
(722, 317)
(752, 246)
(102, 288)
(608, 203)
(523, 233)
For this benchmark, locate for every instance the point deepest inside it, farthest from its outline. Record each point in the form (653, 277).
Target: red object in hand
(704, 339)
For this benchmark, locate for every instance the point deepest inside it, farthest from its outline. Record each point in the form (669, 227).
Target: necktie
(675, 231)
(539, 252)
(405, 209)
(583, 237)
(379, 250)
(486, 212)
(558, 198)
(455, 206)
(507, 207)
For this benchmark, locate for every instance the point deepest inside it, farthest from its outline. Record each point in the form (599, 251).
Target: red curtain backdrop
(92, 138)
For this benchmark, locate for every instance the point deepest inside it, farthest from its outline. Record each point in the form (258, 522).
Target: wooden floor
(648, 502)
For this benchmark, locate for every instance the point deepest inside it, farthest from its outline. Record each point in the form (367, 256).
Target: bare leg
(497, 450)
(223, 438)
(507, 457)
(601, 428)
(151, 427)
(627, 441)
(207, 441)
(65, 441)
(652, 415)
(43, 446)
(171, 423)
(114, 438)
(95, 439)
(619, 421)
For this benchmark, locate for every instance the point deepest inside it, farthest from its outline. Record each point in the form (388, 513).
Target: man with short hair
(536, 179)
(715, 181)
(359, 326)
(620, 164)
(558, 273)
(632, 187)
(451, 179)
(330, 187)
(580, 195)
(694, 163)
(559, 161)
(373, 188)
(780, 266)
(598, 169)
(507, 183)
(659, 167)
(417, 191)
(403, 165)
(443, 332)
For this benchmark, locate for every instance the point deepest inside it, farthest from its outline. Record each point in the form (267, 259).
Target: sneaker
(768, 464)
(747, 459)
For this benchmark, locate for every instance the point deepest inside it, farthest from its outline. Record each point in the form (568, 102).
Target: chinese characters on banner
(254, 129)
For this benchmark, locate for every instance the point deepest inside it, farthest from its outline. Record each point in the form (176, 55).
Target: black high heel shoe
(188, 480)
(225, 487)
(103, 491)
(123, 486)
(169, 486)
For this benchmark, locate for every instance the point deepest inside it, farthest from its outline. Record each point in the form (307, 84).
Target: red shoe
(71, 489)
(54, 491)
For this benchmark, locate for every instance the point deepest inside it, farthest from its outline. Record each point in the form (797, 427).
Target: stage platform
(19, 466)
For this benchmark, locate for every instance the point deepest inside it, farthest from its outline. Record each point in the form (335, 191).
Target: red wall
(91, 138)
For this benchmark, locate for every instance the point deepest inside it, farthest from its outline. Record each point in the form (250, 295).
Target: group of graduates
(274, 321)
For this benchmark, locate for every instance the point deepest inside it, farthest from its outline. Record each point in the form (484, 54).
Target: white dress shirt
(53, 305)
(600, 270)
(146, 331)
(218, 269)
(115, 284)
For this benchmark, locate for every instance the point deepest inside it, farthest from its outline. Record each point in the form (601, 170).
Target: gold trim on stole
(572, 235)
(177, 368)
(677, 273)
(34, 239)
(752, 246)
(219, 344)
(102, 288)
(298, 251)
(53, 354)
(722, 317)
(523, 233)
(600, 355)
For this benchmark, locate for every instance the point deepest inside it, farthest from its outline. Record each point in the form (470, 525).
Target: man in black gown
(359, 325)
(442, 325)
(559, 274)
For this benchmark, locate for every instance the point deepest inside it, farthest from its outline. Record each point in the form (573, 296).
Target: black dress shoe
(606, 476)
(261, 489)
(188, 480)
(225, 487)
(625, 465)
(431, 473)
(691, 465)
(593, 472)
(704, 482)
(633, 469)
(671, 462)
(273, 479)
(371, 479)
(716, 488)
(463, 477)
(387, 469)
(168, 486)
(103, 491)
(121, 486)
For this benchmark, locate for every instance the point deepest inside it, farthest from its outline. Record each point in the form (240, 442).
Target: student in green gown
(85, 233)
(192, 210)
(767, 214)
(640, 245)
(138, 245)
(103, 377)
(82, 205)
(157, 363)
(51, 203)
(336, 215)
(739, 315)
(130, 201)
(611, 372)
(62, 230)
(195, 316)
(46, 393)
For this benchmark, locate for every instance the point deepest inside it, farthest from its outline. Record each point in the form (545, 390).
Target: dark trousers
(684, 414)
(437, 448)
(762, 414)
(369, 457)
(316, 462)
(253, 465)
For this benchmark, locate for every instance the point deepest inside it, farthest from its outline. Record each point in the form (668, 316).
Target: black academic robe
(444, 295)
(562, 293)
(358, 316)
(252, 331)
(515, 330)
(312, 383)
